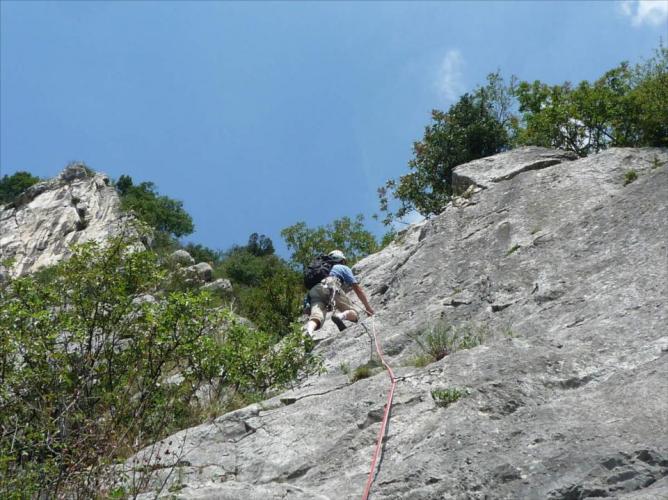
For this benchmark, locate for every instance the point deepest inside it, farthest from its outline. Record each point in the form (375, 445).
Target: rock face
(486, 171)
(564, 267)
(77, 206)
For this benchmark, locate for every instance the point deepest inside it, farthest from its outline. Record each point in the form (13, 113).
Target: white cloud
(649, 12)
(450, 80)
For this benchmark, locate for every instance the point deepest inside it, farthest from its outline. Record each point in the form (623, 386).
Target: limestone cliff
(563, 264)
(77, 206)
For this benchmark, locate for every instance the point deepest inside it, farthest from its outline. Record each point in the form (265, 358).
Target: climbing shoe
(338, 322)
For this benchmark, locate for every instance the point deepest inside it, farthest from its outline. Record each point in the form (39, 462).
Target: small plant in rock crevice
(630, 176)
(360, 373)
(656, 163)
(512, 250)
(439, 340)
(447, 396)
(421, 360)
(364, 371)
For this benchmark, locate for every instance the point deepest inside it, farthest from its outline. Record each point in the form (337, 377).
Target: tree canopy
(345, 234)
(13, 185)
(160, 212)
(626, 107)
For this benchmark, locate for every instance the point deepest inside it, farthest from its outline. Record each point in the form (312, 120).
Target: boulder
(182, 257)
(220, 286)
(201, 272)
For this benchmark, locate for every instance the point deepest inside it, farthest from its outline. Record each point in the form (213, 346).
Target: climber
(331, 291)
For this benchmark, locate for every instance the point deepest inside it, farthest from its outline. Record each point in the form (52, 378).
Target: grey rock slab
(486, 171)
(565, 398)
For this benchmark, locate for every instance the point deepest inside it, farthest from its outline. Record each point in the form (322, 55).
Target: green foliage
(242, 267)
(445, 397)
(478, 125)
(276, 302)
(91, 370)
(268, 291)
(627, 106)
(345, 234)
(260, 245)
(162, 213)
(630, 176)
(440, 339)
(13, 185)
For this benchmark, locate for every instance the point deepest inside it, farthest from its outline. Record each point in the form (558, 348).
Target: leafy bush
(96, 362)
(445, 397)
(441, 339)
(13, 185)
(268, 291)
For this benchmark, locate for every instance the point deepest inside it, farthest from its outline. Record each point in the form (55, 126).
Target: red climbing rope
(388, 406)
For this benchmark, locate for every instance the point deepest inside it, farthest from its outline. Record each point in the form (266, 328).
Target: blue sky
(261, 114)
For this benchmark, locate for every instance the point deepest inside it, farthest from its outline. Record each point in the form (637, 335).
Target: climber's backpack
(318, 270)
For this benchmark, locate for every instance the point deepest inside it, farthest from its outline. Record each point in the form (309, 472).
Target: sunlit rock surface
(75, 207)
(564, 267)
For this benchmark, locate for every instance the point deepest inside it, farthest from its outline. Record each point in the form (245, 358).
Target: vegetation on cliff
(13, 185)
(626, 107)
(97, 361)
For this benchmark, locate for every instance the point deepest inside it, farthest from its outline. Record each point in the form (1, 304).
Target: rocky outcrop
(182, 258)
(564, 268)
(486, 171)
(77, 206)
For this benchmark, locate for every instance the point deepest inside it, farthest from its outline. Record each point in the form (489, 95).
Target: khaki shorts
(320, 297)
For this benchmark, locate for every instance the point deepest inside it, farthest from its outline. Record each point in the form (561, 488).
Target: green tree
(627, 106)
(13, 185)
(260, 245)
(345, 234)
(478, 125)
(162, 213)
